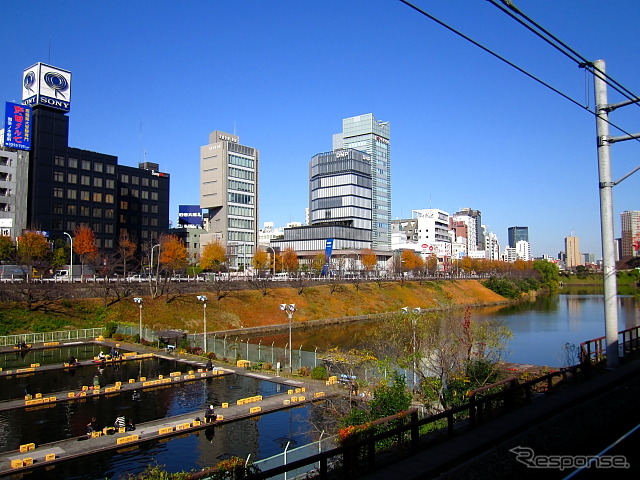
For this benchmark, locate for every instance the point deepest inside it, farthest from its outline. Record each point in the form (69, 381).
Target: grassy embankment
(247, 308)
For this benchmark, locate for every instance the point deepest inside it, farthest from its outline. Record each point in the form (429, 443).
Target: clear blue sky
(466, 129)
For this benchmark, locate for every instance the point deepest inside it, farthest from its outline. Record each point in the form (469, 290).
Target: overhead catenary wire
(511, 64)
(514, 12)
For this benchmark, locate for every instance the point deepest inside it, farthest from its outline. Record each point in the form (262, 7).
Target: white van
(280, 277)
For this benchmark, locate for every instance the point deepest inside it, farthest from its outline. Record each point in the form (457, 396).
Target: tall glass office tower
(371, 136)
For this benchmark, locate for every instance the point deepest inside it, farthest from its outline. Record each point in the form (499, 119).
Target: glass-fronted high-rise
(371, 136)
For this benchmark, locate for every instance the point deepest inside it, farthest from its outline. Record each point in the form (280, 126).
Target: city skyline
(468, 131)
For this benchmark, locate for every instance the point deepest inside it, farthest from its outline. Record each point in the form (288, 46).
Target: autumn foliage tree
(290, 260)
(214, 256)
(173, 253)
(126, 250)
(84, 244)
(32, 252)
(260, 260)
(369, 259)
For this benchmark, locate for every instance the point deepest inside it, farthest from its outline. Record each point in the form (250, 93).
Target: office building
(630, 221)
(67, 186)
(14, 168)
(572, 251)
(515, 234)
(340, 204)
(368, 135)
(473, 220)
(229, 193)
(426, 232)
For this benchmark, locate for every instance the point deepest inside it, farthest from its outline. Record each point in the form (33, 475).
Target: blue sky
(466, 129)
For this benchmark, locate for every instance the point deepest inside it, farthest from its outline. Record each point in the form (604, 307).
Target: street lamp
(203, 299)
(289, 309)
(139, 301)
(71, 257)
(151, 266)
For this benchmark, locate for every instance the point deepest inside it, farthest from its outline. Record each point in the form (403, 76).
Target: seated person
(120, 423)
(209, 415)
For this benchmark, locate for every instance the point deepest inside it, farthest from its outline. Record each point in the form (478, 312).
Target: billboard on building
(43, 84)
(17, 130)
(190, 216)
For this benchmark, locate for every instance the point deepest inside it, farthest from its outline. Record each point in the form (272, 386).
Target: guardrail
(45, 337)
(360, 456)
(595, 350)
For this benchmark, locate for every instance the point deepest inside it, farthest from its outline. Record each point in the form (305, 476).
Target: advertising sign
(17, 130)
(190, 216)
(327, 256)
(43, 84)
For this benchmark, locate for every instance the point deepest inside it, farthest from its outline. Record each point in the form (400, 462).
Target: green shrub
(319, 373)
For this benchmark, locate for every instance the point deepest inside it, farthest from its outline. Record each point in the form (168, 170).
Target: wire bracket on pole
(607, 184)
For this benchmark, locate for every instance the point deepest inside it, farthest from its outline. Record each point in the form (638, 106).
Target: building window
(72, 178)
(109, 183)
(58, 161)
(58, 192)
(122, 218)
(108, 243)
(134, 192)
(71, 225)
(154, 221)
(124, 191)
(97, 182)
(145, 182)
(108, 213)
(124, 205)
(154, 183)
(85, 196)
(154, 196)
(85, 180)
(57, 209)
(124, 178)
(145, 208)
(144, 220)
(108, 228)
(86, 165)
(73, 163)
(109, 198)
(154, 208)
(97, 167)
(97, 212)
(72, 194)
(84, 210)
(135, 180)
(144, 194)
(58, 176)
(71, 209)
(97, 196)
(111, 169)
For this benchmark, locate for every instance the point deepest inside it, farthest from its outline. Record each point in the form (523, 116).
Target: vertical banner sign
(17, 130)
(327, 256)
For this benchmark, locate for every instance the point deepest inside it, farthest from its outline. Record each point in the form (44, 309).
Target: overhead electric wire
(508, 62)
(579, 59)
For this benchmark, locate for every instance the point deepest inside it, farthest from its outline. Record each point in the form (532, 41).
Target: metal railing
(595, 350)
(63, 335)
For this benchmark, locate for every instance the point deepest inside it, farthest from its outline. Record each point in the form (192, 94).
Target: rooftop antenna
(142, 153)
(234, 127)
(49, 61)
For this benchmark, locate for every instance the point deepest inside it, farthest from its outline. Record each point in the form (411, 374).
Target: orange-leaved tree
(290, 260)
(84, 244)
(173, 253)
(214, 256)
(369, 259)
(260, 260)
(411, 260)
(33, 252)
(126, 250)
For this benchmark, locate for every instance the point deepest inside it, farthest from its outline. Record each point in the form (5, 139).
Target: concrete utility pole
(606, 208)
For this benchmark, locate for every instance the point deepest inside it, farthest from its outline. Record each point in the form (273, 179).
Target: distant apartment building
(427, 232)
(572, 251)
(515, 234)
(473, 221)
(491, 246)
(229, 193)
(368, 135)
(523, 250)
(630, 221)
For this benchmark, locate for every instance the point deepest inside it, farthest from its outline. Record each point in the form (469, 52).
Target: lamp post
(289, 309)
(139, 301)
(151, 266)
(71, 257)
(274, 260)
(203, 299)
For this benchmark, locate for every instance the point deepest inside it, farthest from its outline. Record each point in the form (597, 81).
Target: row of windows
(133, 206)
(240, 173)
(60, 161)
(241, 161)
(82, 210)
(241, 223)
(240, 211)
(344, 212)
(100, 182)
(145, 221)
(240, 236)
(240, 198)
(241, 186)
(86, 196)
(346, 179)
(143, 194)
(133, 180)
(332, 202)
(341, 191)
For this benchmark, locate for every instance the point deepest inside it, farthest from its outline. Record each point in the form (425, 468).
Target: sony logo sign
(44, 100)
